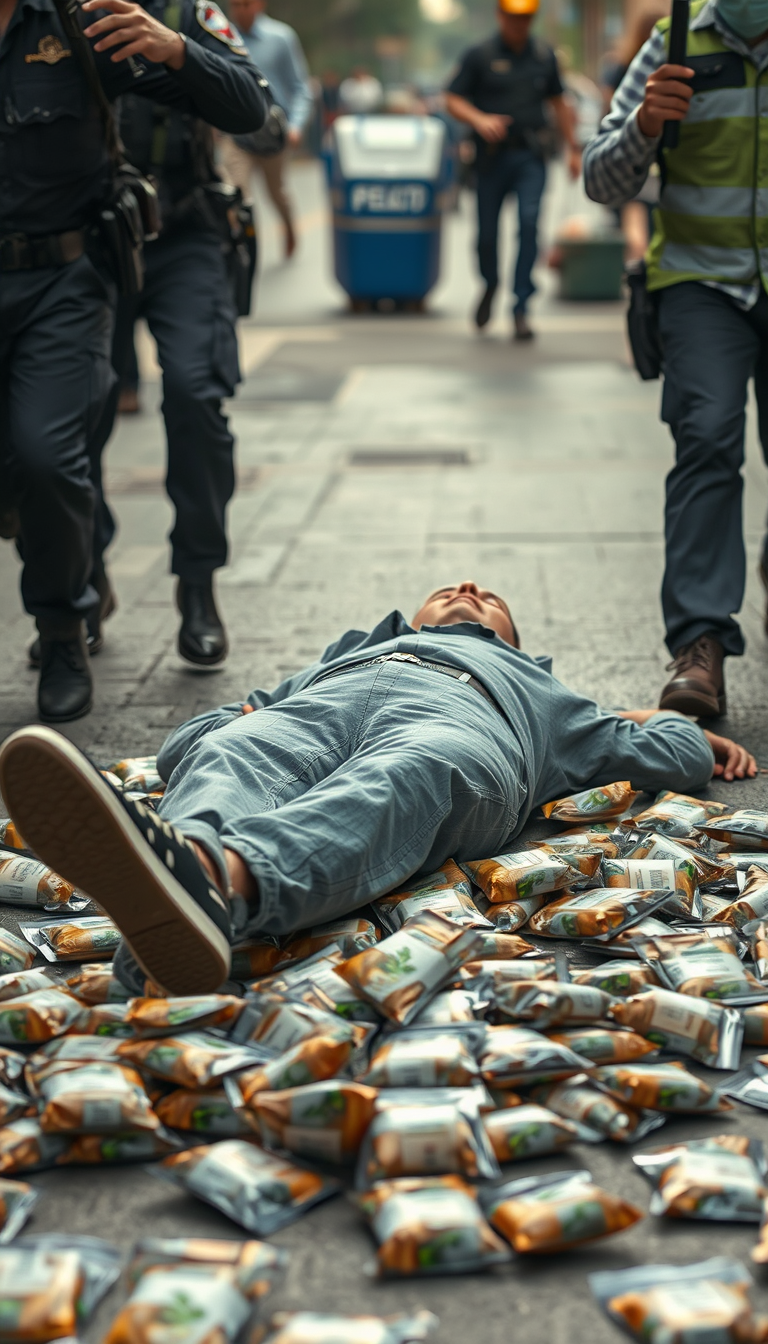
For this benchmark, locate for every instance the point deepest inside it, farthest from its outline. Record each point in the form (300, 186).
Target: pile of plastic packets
(584, 990)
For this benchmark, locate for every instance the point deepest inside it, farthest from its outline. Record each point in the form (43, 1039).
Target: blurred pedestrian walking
(68, 233)
(276, 50)
(706, 266)
(502, 90)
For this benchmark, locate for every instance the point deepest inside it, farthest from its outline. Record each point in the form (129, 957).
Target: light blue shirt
(561, 741)
(275, 48)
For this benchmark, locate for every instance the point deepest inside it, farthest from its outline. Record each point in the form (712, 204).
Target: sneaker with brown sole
(697, 686)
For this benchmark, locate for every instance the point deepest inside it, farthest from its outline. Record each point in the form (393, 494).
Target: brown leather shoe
(697, 686)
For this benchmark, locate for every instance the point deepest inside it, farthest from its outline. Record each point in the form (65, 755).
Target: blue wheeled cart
(389, 180)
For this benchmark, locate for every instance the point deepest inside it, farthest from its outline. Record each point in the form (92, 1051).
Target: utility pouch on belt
(131, 216)
(643, 325)
(237, 223)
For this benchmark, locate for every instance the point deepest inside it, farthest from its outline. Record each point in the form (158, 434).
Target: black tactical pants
(188, 307)
(55, 376)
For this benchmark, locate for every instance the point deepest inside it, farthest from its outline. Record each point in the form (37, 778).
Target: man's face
(514, 29)
(466, 602)
(243, 12)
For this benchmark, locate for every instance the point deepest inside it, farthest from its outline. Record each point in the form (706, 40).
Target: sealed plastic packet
(675, 814)
(426, 1058)
(139, 774)
(750, 1085)
(426, 1138)
(400, 975)
(277, 1024)
(622, 944)
(199, 1300)
(752, 903)
(103, 1019)
(255, 1267)
(12, 1065)
(97, 983)
(709, 868)
(140, 1145)
(196, 1059)
(701, 967)
(429, 1226)
(10, 836)
(26, 882)
(50, 1284)
(38, 1016)
(301, 1327)
(254, 957)
(24, 1147)
(592, 804)
(756, 1024)
(15, 953)
(542, 1214)
(95, 1099)
(527, 1131)
(604, 1045)
(204, 1112)
(513, 915)
(517, 1055)
(323, 1121)
(498, 946)
(519, 875)
(551, 1003)
(695, 1027)
(705, 1303)
(488, 978)
(259, 1191)
(349, 935)
(13, 1104)
(74, 939)
(677, 876)
(599, 914)
(326, 990)
(17, 1200)
(309, 1061)
(720, 1179)
(447, 892)
(744, 828)
(168, 1017)
(448, 1007)
(620, 979)
(596, 1115)
(19, 983)
(667, 1087)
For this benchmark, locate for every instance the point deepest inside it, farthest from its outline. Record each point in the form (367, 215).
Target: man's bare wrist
(179, 53)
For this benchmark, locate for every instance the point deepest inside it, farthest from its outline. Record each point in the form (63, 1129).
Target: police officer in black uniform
(500, 90)
(56, 285)
(187, 302)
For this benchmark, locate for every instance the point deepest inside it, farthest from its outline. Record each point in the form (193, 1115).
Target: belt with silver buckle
(447, 670)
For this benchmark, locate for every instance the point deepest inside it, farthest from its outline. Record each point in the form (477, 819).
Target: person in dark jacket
(57, 289)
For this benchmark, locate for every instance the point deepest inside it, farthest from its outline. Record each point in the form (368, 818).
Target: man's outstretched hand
(731, 760)
(134, 32)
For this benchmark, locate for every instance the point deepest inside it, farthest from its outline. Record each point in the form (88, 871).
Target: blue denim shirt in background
(563, 740)
(275, 48)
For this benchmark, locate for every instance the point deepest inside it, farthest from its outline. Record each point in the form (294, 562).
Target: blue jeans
(523, 172)
(711, 350)
(343, 791)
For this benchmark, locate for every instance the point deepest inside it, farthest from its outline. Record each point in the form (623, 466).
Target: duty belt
(22, 252)
(447, 669)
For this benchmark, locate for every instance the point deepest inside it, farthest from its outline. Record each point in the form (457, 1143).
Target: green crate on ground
(592, 268)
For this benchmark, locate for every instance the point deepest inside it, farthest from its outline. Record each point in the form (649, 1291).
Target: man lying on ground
(397, 750)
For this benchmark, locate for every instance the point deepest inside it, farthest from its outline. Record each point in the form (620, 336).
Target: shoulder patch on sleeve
(215, 22)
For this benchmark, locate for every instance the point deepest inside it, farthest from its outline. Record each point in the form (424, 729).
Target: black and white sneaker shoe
(138, 868)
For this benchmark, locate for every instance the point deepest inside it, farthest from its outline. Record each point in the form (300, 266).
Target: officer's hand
(131, 29)
(666, 99)
(492, 126)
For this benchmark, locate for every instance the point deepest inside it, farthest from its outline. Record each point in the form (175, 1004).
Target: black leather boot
(202, 637)
(94, 635)
(65, 691)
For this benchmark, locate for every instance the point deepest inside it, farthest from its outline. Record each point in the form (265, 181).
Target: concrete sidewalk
(379, 457)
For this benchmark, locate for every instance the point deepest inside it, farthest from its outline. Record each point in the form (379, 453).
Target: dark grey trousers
(712, 348)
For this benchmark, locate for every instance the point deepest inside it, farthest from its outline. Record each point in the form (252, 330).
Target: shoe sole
(693, 705)
(76, 825)
(66, 718)
(202, 667)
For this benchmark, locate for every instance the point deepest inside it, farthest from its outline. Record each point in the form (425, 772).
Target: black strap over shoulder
(67, 11)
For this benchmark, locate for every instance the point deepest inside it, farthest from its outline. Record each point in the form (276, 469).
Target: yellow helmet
(518, 6)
